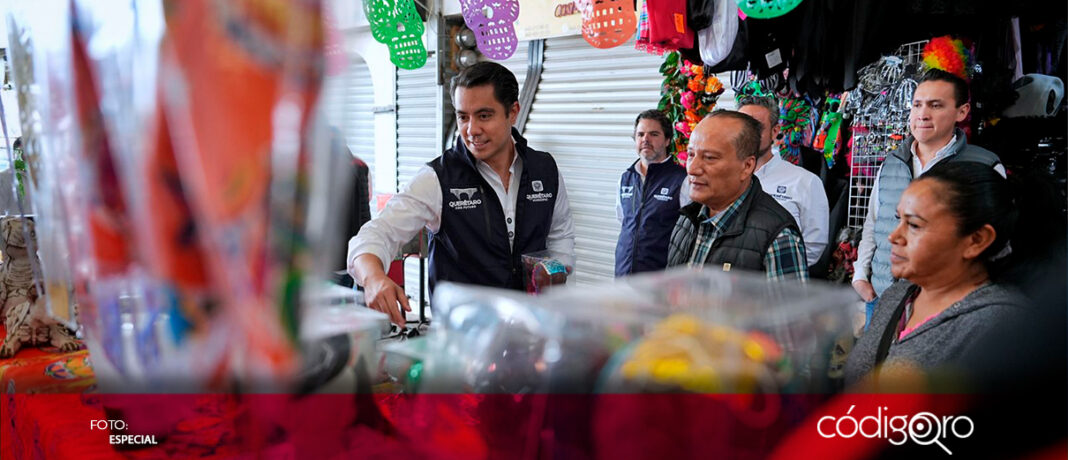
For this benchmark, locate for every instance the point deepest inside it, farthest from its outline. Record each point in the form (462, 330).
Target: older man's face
(717, 176)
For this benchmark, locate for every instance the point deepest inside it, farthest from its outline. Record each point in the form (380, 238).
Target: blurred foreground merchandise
(169, 145)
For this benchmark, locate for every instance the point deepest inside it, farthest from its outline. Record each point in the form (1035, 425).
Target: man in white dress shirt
(794, 187)
(486, 201)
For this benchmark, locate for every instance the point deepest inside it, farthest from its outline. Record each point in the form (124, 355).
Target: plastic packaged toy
(546, 268)
(753, 335)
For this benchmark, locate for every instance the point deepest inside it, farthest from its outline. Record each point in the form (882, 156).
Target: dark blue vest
(472, 244)
(649, 213)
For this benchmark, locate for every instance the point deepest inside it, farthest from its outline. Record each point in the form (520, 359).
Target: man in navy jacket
(647, 201)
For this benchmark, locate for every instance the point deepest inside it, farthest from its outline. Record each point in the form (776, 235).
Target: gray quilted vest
(747, 238)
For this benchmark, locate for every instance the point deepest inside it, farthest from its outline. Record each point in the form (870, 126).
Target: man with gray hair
(794, 187)
(732, 222)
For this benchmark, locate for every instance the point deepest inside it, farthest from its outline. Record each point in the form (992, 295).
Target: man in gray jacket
(939, 103)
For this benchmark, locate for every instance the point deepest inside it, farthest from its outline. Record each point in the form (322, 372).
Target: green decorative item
(830, 133)
(767, 9)
(397, 25)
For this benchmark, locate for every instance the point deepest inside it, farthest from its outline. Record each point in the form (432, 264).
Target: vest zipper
(637, 223)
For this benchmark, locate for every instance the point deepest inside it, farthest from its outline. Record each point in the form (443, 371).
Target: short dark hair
(767, 102)
(960, 87)
(505, 86)
(658, 116)
(747, 140)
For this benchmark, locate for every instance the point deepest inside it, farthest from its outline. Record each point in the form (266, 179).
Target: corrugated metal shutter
(359, 117)
(518, 63)
(348, 103)
(583, 113)
(418, 121)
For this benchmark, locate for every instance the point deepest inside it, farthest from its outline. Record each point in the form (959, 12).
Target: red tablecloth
(49, 399)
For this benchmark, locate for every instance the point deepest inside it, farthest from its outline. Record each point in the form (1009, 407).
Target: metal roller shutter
(348, 103)
(418, 128)
(583, 113)
(518, 63)
(359, 117)
(417, 119)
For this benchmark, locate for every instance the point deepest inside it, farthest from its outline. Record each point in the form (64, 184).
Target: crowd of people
(939, 233)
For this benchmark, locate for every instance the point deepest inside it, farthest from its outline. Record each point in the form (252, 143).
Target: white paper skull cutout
(397, 25)
(493, 22)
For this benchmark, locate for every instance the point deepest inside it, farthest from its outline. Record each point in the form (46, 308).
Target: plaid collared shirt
(785, 258)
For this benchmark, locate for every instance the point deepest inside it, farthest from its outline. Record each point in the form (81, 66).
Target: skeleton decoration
(26, 319)
(767, 9)
(397, 25)
(607, 23)
(493, 22)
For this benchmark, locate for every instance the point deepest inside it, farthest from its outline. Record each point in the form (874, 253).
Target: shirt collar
(634, 165)
(516, 161)
(942, 152)
(723, 217)
(774, 159)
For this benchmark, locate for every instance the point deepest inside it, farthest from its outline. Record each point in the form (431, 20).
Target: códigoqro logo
(923, 428)
(121, 439)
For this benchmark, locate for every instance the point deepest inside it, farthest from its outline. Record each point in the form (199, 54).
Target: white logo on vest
(626, 191)
(465, 198)
(665, 194)
(538, 197)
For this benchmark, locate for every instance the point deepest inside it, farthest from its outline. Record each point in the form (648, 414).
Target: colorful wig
(949, 54)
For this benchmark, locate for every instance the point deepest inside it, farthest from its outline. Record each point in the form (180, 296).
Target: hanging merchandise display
(643, 43)
(493, 22)
(607, 23)
(667, 24)
(717, 40)
(746, 84)
(797, 126)
(688, 95)
(829, 135)
(878, 111)
(397, 25)
(766, 9)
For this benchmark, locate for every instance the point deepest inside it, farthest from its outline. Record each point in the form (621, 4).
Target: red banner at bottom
(536, 426)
